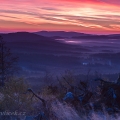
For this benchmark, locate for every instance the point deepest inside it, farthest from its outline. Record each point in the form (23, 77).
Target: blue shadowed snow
(69, 96)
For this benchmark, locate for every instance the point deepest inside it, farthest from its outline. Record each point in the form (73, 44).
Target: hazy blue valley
(56, 52)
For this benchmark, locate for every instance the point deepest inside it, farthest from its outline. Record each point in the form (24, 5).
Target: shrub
(13, 97)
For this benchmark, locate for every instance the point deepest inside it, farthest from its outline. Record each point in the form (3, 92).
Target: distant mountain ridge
(50, 36)
(60, 34)
(76, 35)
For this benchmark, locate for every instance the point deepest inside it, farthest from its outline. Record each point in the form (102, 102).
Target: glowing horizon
(88, 16)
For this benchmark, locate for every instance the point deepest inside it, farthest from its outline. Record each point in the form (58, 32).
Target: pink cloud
(77, 15)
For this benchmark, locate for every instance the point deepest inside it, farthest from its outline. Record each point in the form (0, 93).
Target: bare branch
(34, 94)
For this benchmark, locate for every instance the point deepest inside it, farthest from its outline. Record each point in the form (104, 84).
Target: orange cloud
(77, 15)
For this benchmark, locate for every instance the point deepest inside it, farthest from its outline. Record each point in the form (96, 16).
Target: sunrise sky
(89, 16)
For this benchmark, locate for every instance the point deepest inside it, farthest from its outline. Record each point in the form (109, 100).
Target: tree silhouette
(7, 62)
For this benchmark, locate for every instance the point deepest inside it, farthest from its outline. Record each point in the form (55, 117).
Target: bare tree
(7, 62)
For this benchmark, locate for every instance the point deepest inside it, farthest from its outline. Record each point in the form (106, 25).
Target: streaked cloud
(93, 16)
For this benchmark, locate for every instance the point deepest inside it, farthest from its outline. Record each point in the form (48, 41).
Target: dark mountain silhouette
(30, 42)
(30, 39)
(24, 36)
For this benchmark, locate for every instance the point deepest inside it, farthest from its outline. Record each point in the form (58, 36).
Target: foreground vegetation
(67, 100)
